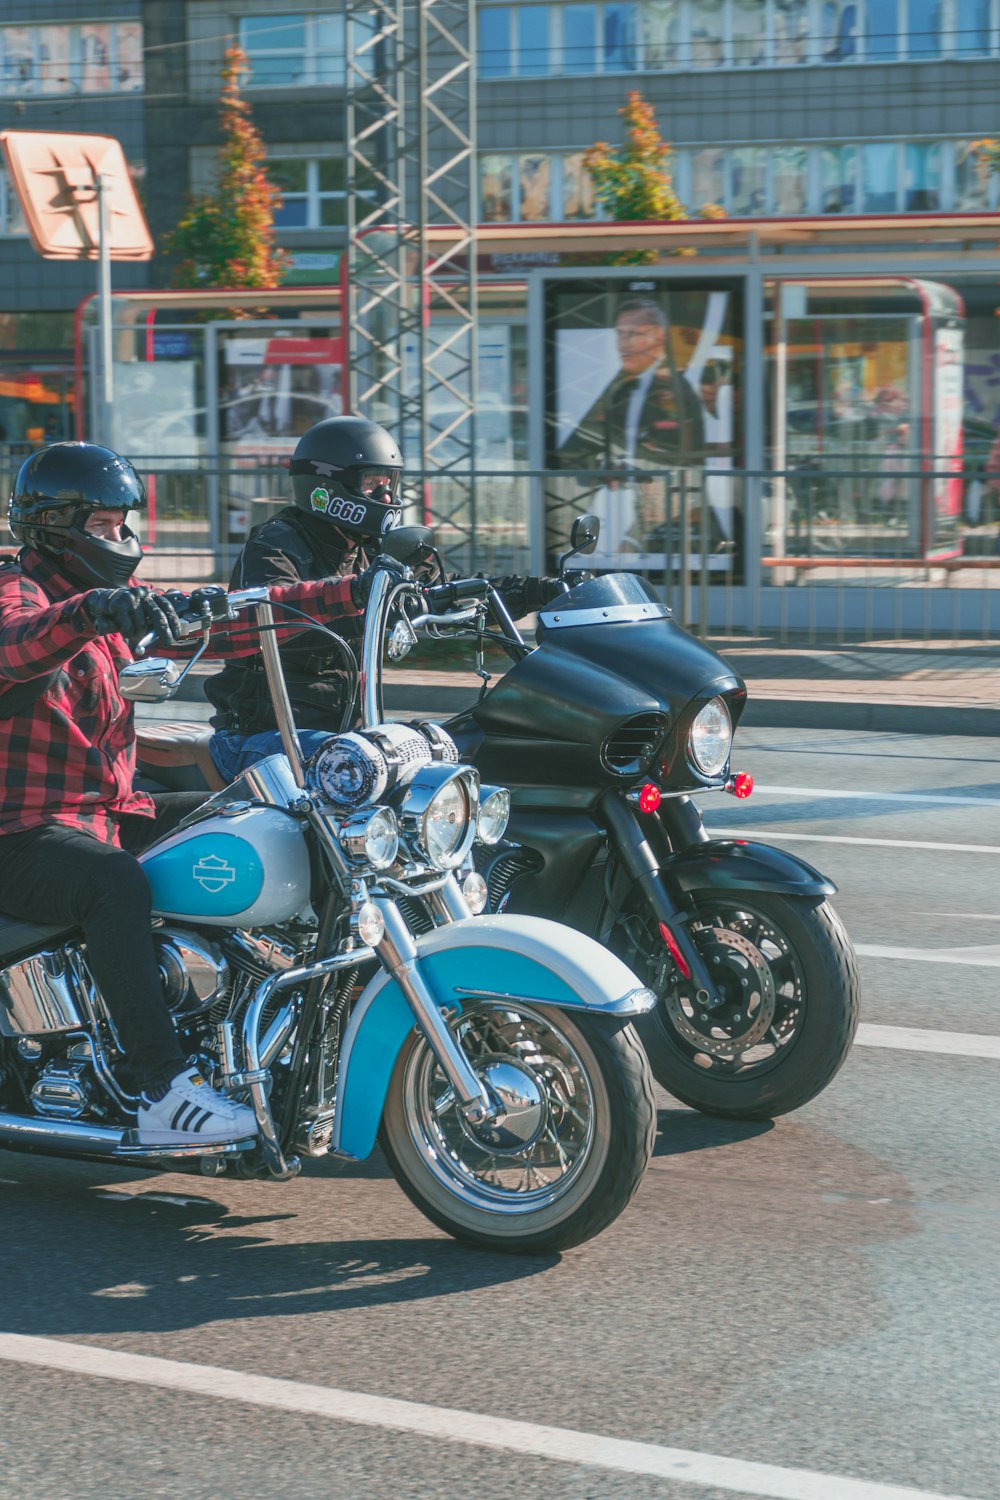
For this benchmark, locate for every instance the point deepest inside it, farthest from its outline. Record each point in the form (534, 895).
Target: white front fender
(504, 958)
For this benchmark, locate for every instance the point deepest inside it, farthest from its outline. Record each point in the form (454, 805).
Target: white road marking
(781, 837)
(913, 1039)
(557, 1444)
(941, 799)
(986, 956)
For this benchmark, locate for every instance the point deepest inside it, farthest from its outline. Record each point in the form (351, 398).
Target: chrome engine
(193, 972)
(49, 1003)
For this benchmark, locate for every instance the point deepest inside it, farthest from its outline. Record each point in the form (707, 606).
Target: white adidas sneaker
(191, 1113)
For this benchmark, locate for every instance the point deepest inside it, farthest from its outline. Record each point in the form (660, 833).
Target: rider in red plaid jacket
(70, 823)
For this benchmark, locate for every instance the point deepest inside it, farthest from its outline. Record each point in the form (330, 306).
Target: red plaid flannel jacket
(70, 756)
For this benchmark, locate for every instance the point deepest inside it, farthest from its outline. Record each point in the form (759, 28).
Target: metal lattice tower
(411, 313)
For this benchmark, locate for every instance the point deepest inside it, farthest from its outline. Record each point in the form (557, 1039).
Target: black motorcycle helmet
(348, 469)
(55, 491)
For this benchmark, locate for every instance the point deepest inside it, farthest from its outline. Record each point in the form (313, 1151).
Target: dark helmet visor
(374, 483)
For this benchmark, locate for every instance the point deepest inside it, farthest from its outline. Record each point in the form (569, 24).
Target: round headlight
(446, 823)
(370, 837)
(710, 738)
(438, 813)
(494, 814)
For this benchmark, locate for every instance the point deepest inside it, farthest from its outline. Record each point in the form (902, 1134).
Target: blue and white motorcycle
(493, 1057)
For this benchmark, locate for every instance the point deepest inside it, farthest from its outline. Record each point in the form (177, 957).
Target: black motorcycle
(604, 732)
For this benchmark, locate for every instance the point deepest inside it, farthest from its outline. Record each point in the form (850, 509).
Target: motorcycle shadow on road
(93, 1252)
(680, 1131)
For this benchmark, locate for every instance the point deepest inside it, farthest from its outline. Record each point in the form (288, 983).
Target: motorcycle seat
(17, 936)
(177, 756)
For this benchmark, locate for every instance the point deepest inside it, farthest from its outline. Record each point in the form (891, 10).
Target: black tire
(610, 1166)
(827, 986)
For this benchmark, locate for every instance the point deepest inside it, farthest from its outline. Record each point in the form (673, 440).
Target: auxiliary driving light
(370, 837)
(371, 924)
(475, 892)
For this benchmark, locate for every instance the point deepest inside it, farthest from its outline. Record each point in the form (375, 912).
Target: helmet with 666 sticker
(347, 469)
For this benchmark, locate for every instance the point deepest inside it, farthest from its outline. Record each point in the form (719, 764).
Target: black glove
(361, 584)
(132, 613)
(526, 596)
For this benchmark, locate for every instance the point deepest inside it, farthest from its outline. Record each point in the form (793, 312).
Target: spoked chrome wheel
(786, 981)
(567, 1148)
(541, 1145)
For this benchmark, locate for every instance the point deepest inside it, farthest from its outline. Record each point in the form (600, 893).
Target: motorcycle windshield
(601, 593)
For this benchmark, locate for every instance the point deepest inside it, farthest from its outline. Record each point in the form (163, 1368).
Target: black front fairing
(606, 652)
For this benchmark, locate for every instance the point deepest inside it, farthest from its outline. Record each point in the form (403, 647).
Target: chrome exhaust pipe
(104, 1142)
(58, 1137)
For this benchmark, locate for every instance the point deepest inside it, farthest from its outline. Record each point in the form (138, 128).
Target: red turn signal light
(740, 786)
(649, 797)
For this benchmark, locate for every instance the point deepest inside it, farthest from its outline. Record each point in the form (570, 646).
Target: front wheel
(788, 980)
(567, 1156)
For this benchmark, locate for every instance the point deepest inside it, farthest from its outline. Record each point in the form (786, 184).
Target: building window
(312, 190)
(660, 29)
(791, 32)
(882, 30)
(790, 173)
(496, 185)
(970, 28)
(876, 177)
(708, 177)
(534, 56)
(294, 51)
(749, 33)
(972, 178)
(95, 57)
(879, 178)
(838, 172)
(924, 28)
(620, 37)
(922, 181)
(536, 187)
(495, 55)
(11, 218)
(748, 169)
(617, 36)
(579, 200)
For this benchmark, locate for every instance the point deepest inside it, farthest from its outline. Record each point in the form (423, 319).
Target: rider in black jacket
(345, 475)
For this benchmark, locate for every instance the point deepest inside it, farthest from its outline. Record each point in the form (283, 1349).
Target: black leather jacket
(291, 545)
(297, 545)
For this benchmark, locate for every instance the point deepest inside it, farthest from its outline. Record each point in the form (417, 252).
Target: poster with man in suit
(643, 382)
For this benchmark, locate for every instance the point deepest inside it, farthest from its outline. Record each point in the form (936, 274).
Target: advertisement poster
(155, 412)
(275, 387)
(644, 375)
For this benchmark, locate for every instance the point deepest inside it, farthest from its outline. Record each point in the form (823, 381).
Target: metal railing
(824, 548)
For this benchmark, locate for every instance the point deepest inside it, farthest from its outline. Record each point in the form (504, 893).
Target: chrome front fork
(398, 954)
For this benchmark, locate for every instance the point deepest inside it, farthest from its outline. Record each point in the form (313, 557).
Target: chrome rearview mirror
(152, 680)
(585, 534)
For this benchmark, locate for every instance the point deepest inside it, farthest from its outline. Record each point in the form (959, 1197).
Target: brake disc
(742, 975)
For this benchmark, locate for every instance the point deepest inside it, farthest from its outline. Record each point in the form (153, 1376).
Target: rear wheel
(571, 1150)
(788, 978)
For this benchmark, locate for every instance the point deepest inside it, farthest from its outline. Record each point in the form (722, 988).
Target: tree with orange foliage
(633, 181)
(227, 239)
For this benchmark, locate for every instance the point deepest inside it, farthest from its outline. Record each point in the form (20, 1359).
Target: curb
(885, 718)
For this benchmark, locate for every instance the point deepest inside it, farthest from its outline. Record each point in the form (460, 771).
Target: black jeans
(55, 874)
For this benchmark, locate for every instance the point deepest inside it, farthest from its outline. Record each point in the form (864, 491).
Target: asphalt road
(817, 1298)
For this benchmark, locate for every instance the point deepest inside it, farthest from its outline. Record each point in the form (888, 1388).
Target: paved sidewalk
(899, 687)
